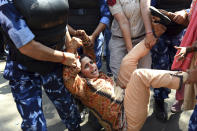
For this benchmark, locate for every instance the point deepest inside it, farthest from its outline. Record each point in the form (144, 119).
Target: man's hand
(69, 59)
(92, 41)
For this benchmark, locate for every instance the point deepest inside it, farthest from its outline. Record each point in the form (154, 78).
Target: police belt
(134, 38)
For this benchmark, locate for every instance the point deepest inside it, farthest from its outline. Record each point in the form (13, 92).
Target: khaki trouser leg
(137, 93)
(130, 62)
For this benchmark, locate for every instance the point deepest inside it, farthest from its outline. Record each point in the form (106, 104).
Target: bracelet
(149, 32)
(64, 58)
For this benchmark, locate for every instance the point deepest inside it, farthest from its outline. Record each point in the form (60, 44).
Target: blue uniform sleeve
(105, 13)
(14, 25)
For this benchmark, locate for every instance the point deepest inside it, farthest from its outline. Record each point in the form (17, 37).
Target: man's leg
(137, 93)
(62, 99)
(28, 98)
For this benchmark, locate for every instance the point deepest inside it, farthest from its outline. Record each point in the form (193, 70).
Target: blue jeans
(27, 93)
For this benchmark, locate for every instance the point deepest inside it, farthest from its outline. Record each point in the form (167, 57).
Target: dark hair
(82, 56)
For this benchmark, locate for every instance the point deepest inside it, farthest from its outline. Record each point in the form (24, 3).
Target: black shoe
(164, 20)
(160, 111)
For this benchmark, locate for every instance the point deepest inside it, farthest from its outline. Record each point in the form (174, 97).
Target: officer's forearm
(98, 30)
(38, 51)
(144, 7)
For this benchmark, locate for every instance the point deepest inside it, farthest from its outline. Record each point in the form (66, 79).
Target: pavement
(10, 119)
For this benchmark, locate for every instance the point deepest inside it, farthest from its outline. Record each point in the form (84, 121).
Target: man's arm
(16, 28)
(104, 21)
(38, 51)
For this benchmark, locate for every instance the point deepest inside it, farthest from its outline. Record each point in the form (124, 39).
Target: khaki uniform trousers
(138, 83)
(118, 51)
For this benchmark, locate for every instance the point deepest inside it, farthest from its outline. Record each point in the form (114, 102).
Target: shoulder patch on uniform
(111, 2)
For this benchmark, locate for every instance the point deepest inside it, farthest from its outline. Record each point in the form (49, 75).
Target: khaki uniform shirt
(131, 9)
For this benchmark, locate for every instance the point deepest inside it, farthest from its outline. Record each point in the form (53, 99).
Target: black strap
(134, 38)
(181, 80)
